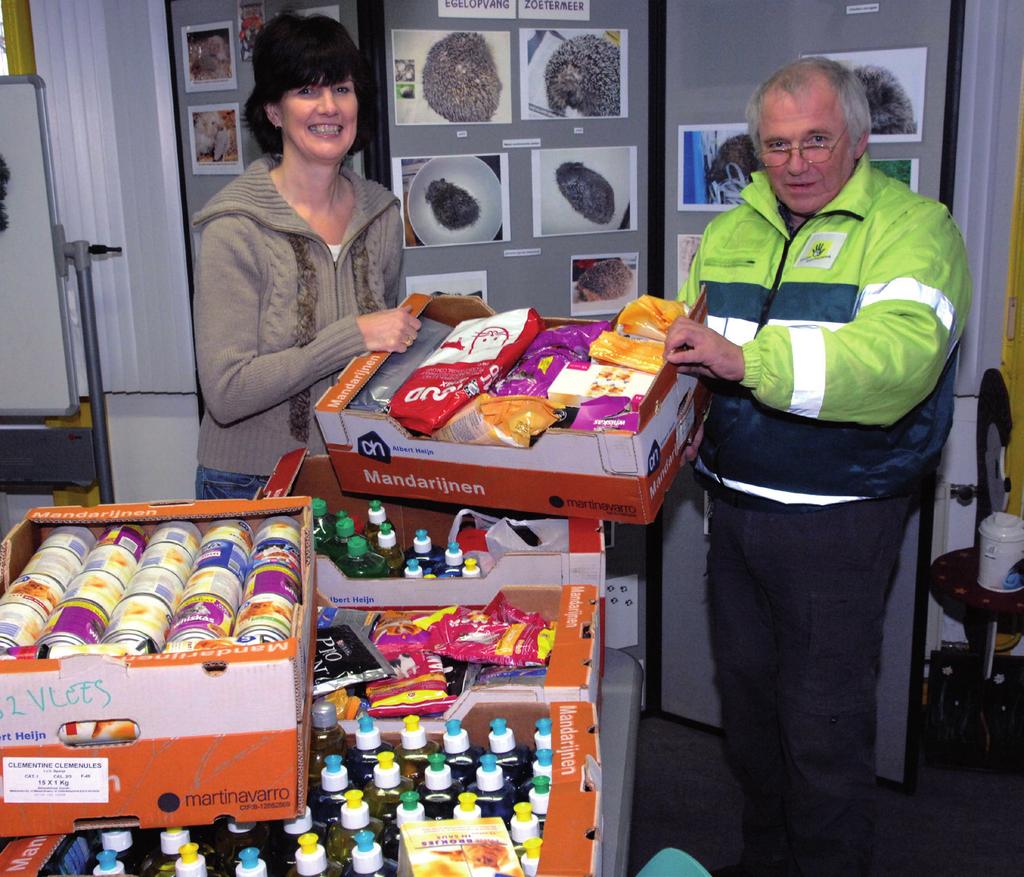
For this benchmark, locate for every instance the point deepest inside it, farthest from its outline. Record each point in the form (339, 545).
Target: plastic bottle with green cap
(540, 795)
(387, 547)
(107, 863)
(439, 790)
(250, 864)
(530, 859)
(323, 525)
(467, 808)
(411, 810)
(327, 796)
(344, 529)
(368, 859)
(514, 759)
(376, 517)
(495, 794)
(326, 738)
(355, 816)
(311, 859)
(524, 825)
(284, 841)
(361, 759)
(360, 562)
(542, 766)
(413, 752)
(462, 756)
(383, 795)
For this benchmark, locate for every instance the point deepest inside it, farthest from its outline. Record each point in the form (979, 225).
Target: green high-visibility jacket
(848, 329)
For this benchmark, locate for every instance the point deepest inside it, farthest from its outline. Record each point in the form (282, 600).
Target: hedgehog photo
(583, 74)
(605, 280)
(587, 191)
(452, 205)
(460, 79)
(891, 109)
(735, 160)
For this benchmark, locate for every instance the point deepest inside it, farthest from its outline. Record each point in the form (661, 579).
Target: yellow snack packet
(647, 356)
(499, 420)
(649, 317)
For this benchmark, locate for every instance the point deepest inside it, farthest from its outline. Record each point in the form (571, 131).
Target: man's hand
(694, 349)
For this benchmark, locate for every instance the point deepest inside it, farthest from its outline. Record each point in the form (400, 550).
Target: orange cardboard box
(614, 475)
(219, 730)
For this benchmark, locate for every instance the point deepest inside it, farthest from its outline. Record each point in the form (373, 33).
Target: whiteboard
(36, 362)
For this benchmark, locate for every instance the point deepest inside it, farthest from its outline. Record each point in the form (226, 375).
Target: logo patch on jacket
(821, 249)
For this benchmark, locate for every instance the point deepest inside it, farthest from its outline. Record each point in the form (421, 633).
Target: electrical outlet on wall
(622, 612)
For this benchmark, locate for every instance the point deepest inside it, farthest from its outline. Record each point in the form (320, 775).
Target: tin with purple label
(169, 556)
(267, 615)
(236, 531)
(140, 622)
(128, 536)
(20, 625)
(184, 534)
(113, 559)
(41, 592)
(204, 616)
(101, 588)
(157, 582)
(58, 564)
(223, 554)
(216, 581)
(273, 578)
(74, 622)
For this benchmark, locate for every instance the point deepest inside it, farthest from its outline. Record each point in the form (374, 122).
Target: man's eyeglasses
(815, 150)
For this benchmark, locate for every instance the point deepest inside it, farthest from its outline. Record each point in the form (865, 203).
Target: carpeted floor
(958, 824)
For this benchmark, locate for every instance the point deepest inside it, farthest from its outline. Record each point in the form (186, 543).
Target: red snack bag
(469, 360)
(501, 609)
(396, 633)
(492, 642)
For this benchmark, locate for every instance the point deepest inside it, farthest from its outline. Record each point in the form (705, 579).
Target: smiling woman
(299, 259)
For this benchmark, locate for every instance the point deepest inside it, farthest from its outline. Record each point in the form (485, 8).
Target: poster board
(35, 348)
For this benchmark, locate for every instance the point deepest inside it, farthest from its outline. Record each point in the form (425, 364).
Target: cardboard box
(614, 475)
(313, 476)
(220, 731)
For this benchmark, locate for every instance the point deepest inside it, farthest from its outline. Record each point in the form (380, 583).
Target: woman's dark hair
(292, 51)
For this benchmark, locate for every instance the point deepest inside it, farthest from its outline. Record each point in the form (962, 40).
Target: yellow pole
(1013, 333)
(21, 54)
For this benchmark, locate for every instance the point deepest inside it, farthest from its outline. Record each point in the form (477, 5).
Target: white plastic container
(1001, 552)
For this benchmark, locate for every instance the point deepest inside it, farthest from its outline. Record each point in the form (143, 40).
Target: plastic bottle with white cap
(414, 750)
(384, 794)
(540, 796)
(495, 795)
(439, 791)
(514, 759)
(523, 825)
(327, 796)
(120, 840)
(311, 859)
(233, 836)
(387, 547)
(355, 816)
(467, 808)
(411, 810)
(250, 864)
(376, 517)
(542, 736)
(530, 859)
(368, 859)
(107, 863)
(462, 756)
(361, 759)
(542, 766)
(284, 840)
(423, 549)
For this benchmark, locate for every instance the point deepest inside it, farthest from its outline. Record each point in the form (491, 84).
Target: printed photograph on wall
(902, 169)
(602, 284)
(251, 18)
(686, 250)
(894, 80)
(715, 163)
(582, 191)
(453, 199)
(213, 135)
(456, 283)
(451, 77)
(209, 56)
(572, 74)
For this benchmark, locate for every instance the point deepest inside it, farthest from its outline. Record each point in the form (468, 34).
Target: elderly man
(836, 298)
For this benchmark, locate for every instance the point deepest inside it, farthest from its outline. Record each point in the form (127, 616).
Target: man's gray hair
(797, 75)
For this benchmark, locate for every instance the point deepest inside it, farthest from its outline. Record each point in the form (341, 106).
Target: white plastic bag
(506, 534)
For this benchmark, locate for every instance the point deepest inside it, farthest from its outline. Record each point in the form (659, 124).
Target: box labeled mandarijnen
(582, 559)
(220, 730)
(615, 474)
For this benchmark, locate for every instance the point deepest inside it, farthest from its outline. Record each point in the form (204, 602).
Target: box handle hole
(98, 733)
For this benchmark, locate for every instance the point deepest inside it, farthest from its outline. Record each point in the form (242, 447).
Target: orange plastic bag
(647, 356)
(499, 420)
(649, 317)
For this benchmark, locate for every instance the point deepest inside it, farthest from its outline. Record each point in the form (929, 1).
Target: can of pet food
(169, 556)
(280, 528)
(157, 582)
(60, 565)
(273, 578)
(267, 615)
(74, 622)
(20, 624)
(78, 540)
(140, 622)
(279, 553)
(184, 534)
(204, 616)
(128, 536)
(113, 559)
(213, 580)
(41, 592)
(99, 587)
(236, 531)
(223, 554)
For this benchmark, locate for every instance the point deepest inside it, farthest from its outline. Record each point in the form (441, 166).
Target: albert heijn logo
(653, 458)
(373, 446)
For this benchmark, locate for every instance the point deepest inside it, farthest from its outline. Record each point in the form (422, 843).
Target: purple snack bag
(549, 353)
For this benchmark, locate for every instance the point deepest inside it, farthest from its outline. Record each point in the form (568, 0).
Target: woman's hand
(391, 331)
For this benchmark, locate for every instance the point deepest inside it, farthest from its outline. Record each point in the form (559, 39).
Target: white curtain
(109, 102)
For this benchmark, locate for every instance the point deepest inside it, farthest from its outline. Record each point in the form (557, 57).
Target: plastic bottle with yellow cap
(523, 826)
(530, 859)
(414, 752)
(355, 816)
(467, 808)
(384, 794)
(311, 859)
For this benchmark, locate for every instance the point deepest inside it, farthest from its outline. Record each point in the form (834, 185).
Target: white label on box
(30, 780)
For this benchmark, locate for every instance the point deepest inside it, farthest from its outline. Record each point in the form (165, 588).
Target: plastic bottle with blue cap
(361, 759)
(384, 794)
(413, 570)
(107, 863)
(542, 766)
(328, 795)
(495, 795)
(355, 817)
(368, 859)
(413, 752)
(284, 840)
(411, 810)
(122, 843)
(233, 836)
(462, 756)
(542, 736)
(311, 859)
(453, 561)
(250, 864)
(424, 550)
(439, 790)
(514, 759)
